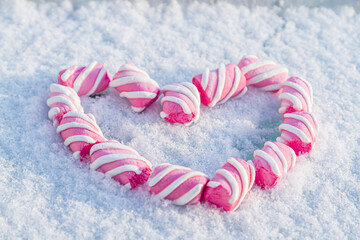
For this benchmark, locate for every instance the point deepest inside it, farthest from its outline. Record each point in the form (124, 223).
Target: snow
(46, 194)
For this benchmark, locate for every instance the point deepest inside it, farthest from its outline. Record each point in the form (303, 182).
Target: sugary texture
(80, 131)
(230, 184)
(272, 163)
(178, 184)
(85, 80)
(219, 85)
(298, 131)
(265, 75)
(122, 163)
(181, 103)
(135, 85)
(296, 96)
(62, 100)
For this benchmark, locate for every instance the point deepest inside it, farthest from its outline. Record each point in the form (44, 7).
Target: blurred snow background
(45, 194)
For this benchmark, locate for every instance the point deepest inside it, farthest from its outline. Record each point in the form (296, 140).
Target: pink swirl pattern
(265, 75)
(181, 103)
(272, 163)
(219, 85)
(296, 96)
(62, 100)
(178, 184)
(135, 85)
(230, 184)
(298, 131)
(85, 80)
(122, 163)
(79, 131)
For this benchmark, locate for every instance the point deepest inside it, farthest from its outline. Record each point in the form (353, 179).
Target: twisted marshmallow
(135, 85)
(85, 80)
(178, 184)
(122, 163)
(230, 184)
(272, 163)
(62, 100)
(298, 131)
(181, 103)
(265, 75)
(219, 85)
(296, 96)
(79, 131)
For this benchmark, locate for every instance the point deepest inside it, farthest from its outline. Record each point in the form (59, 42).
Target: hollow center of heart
(233, 129)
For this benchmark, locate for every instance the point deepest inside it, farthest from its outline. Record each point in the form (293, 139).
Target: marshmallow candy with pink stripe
(80, 131)
(85, 80)
(296, 96)
(272, 163)
(62, 100)
(265, 75)
(181, 103)
(219, 85)
(230, 184)
(135, 85)
(122, 163)
(178, 184)
(298, 131)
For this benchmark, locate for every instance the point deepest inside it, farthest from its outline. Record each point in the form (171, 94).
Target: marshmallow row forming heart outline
(181, 105)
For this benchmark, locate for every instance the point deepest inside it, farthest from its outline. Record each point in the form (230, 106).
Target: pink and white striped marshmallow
(80, 131)
(62, 100)
(298, 131)
(178, 184)
(181, 103)
(85, 80)
(272, 163)
(296, 96)
(230, 184)
(122, 163)
(219, 85)
(265, 75)
(135, 85)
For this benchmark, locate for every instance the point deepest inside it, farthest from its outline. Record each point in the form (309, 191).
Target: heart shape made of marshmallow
(181, 105)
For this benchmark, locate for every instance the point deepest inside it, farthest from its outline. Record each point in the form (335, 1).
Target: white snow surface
(46, 194)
